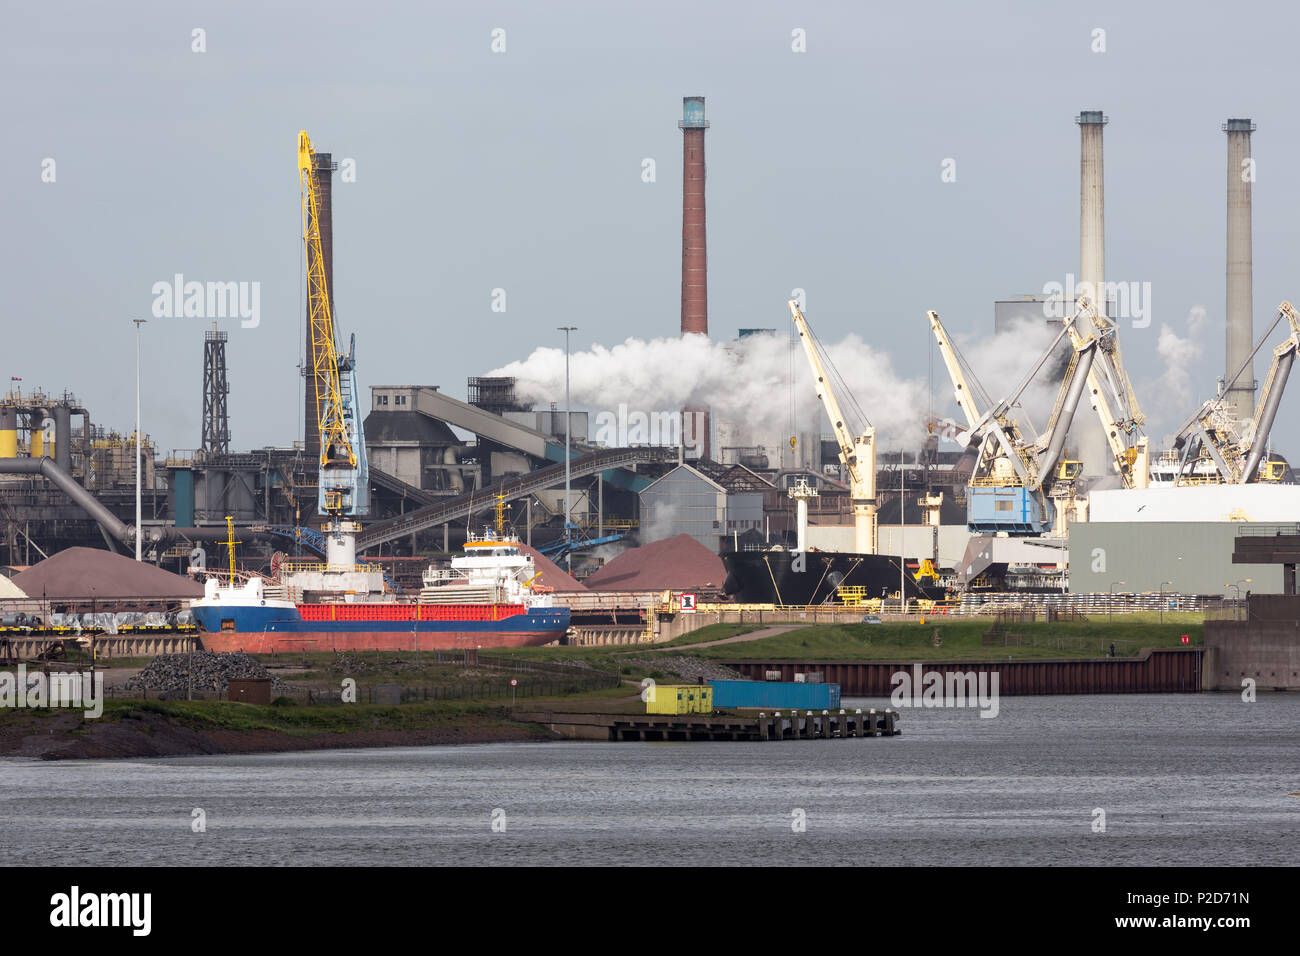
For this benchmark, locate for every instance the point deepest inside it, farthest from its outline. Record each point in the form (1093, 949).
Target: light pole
(1110, 605)
(1237, 587)
(1162, 599)
(139, 539)
(902, 521)
(568, 503)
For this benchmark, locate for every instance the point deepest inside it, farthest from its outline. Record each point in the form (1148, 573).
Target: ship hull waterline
(271, 631)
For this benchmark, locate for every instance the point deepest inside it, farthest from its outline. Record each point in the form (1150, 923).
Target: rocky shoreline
(145, 733)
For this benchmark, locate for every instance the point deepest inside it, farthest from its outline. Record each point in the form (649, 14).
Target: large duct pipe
(1240, 331)
(1052, 455)
(63, 437)
(1268, 414)
(113, 528)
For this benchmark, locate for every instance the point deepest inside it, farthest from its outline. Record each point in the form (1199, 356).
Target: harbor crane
(1237, 448)
(1018, 486)
(343, 493)
(857, 452)
(1112, 397)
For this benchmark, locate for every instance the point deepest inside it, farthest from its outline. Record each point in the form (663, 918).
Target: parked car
(870, 619)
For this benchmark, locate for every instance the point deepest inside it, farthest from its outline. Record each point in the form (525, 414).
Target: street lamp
(1162, 599)
(1237, 587)
(568, 503)
(902, 522)
(139, 540)
(1110, 605)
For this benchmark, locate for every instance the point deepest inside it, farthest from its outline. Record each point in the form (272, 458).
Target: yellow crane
(336, 444)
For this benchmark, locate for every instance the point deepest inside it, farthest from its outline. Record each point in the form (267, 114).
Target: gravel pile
(209, 670)
(689, 669)
(678, 563)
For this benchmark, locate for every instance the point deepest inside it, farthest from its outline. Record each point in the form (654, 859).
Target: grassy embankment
(962, 639)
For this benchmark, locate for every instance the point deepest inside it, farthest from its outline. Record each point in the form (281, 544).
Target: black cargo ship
(769, 577)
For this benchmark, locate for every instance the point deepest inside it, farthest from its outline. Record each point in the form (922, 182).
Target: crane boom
(1237, 448)
(1271, 396)
(857, 452)
(1130, 463)
(344, 481)
(960, 387)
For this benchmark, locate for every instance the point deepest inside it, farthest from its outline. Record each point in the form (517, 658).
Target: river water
(1182, 779)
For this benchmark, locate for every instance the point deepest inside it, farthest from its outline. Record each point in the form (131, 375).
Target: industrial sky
(149, 140)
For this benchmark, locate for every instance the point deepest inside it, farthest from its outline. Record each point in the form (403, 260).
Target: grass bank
(963, 640)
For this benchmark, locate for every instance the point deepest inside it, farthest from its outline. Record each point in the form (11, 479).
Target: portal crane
(1109, 389)
(344, 487)
(1238, 450)
(1015, 481)
(857, 452)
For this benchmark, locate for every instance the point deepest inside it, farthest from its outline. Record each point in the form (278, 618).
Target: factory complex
(404, 517)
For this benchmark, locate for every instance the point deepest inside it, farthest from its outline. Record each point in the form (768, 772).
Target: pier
(764, 726)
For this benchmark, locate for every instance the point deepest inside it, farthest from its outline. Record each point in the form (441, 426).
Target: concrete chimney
(1092, 449)
(1240, 397)
(695, 285)
(1092, 206)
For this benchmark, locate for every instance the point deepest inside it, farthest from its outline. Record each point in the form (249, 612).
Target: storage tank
(8, 433)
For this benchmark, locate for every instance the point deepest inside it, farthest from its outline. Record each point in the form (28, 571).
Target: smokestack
(1093, 449)
(1240, 334)
(1092, 217)
(311, 414)
(695, 286)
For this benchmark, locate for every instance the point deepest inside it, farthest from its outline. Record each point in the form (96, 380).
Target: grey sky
(522, 171)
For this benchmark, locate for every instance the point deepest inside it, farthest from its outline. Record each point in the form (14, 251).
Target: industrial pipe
(1268, 413)
(46, 467)
(1057, 442)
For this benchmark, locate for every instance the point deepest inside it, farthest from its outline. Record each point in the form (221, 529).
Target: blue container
(1011, 508)
(775, 695)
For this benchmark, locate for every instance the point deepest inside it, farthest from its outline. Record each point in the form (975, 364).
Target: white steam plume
(1173, 392)
(748, 380)
(1000, 364)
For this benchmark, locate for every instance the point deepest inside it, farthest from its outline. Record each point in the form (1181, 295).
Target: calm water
(1202, 779)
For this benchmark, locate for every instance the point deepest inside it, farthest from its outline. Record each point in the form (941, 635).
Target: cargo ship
(771, 576)
(489, 597)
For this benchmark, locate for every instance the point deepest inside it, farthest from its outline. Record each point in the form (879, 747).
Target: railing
(1267, 530)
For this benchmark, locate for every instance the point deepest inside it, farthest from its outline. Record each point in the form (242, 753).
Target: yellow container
(679, 699)
(8, 443)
